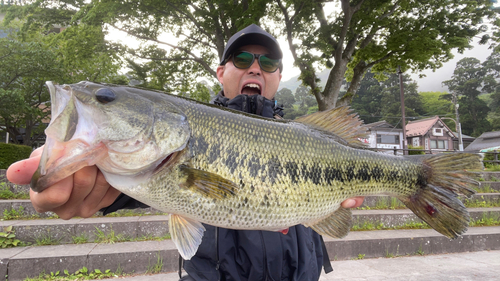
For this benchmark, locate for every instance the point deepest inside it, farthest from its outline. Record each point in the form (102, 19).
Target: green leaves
(8, 238)
(33, 53)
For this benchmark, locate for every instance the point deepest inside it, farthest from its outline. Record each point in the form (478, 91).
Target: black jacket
(226, 254)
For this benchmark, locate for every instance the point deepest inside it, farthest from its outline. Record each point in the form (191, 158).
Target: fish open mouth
(62, 155)
(64, 160)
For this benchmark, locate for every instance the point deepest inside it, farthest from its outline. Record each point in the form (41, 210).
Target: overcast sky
(434, 79)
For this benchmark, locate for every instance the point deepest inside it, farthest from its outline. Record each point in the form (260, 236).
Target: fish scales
(204, 163)
(281, 180)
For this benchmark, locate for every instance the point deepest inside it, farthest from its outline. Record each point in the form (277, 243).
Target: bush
(491, 165)
(416, 152)
(10, 153)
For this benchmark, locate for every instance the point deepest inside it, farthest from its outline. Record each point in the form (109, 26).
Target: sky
(433, 80)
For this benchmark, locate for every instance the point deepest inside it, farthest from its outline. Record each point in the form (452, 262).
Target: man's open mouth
(251, 89)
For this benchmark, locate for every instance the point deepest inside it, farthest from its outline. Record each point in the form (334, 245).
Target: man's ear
(220, 73)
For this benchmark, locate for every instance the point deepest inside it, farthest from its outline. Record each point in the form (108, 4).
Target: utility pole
(458, 125)
(405, 146)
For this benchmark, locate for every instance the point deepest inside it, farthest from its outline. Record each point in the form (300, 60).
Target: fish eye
(105, 95)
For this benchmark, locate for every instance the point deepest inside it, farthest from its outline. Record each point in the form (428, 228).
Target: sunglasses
(243, 60)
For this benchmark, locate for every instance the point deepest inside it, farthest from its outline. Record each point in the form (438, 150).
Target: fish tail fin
(445, 176)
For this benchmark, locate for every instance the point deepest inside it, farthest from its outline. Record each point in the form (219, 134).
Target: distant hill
(293, 83)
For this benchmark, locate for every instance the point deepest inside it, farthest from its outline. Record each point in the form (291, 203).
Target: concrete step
(488, 176)
(66, 231)
(25, 207)
(388, 202)
(494, 185)
(137, 257)
(401, 217)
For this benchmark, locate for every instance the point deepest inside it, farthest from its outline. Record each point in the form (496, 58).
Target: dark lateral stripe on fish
(317, 175)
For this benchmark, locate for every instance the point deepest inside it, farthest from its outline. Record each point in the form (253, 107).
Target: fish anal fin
(186, 235)
(337, 225)
(211, 185)
(341, 122)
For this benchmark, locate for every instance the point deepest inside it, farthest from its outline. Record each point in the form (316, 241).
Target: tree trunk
(359, 73)
(328, 98)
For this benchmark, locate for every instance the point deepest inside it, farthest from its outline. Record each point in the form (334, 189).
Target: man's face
(249, 81)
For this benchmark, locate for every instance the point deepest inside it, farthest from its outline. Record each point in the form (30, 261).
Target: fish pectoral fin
(209, 184)
(337, 225)
(186, 234)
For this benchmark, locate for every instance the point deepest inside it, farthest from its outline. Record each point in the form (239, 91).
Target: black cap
(251, 35)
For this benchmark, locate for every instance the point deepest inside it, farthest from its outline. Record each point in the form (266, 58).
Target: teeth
(253, 86)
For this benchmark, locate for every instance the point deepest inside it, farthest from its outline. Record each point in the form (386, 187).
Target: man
(250, 72)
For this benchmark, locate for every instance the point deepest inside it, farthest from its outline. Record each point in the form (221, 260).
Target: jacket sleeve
(123, 202)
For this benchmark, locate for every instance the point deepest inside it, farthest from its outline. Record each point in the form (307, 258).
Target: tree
(380, 35)
(285, 98)
(25, 66)
(303, 97)
(436, 103)
(391, 99)
(84, 54)
(465, 85)
(368, 100)
(30, 58)
(492, 67)
(359, 35)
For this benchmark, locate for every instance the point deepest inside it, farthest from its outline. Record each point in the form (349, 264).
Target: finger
(37, 151)
(94, 200)
(83, 184)
(353, 202)
(22, 171)
(53, 197)
(109, 198)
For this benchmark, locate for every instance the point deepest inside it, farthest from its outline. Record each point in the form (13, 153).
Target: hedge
(416, 152)
(10, 153)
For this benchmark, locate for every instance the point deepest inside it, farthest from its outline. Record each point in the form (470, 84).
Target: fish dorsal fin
(209, 184)
(341, 122)
(186, 235)
(337, 225)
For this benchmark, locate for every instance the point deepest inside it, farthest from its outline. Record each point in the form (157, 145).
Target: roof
(420, 127)
(485, 141)
(379, 124)
(464, 137)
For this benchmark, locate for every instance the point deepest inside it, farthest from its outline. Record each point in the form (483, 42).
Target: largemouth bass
(206, 164)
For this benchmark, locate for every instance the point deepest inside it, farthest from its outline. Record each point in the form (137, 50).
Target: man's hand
(81, 194)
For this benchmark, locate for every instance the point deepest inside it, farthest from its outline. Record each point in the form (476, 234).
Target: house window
(392, 139)
(438, 144)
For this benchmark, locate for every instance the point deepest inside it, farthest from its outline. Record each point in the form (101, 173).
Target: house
(466, 140)
(489, 141)
(384, 136)
(431, 134)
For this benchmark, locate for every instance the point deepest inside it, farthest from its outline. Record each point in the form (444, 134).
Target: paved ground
(471, 266)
